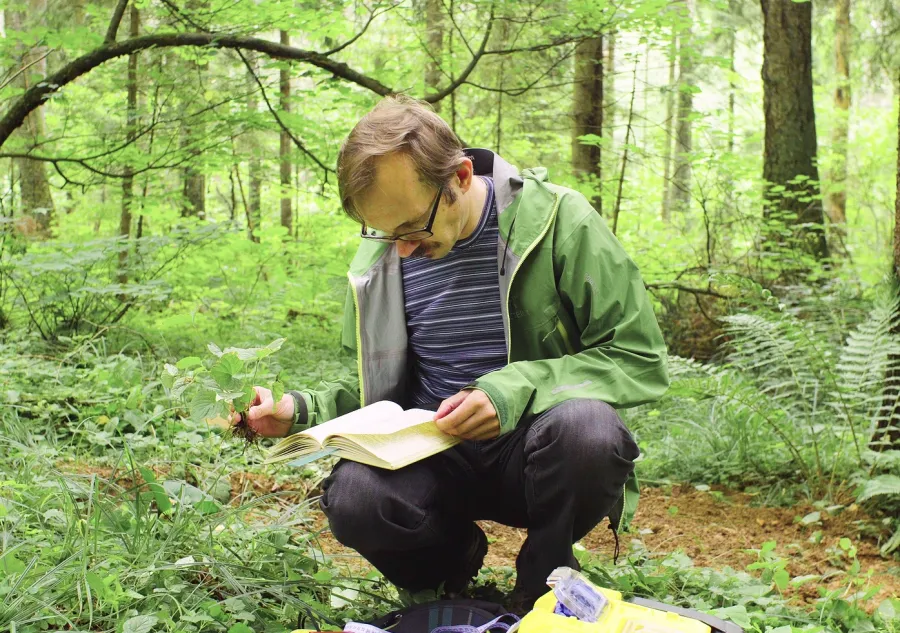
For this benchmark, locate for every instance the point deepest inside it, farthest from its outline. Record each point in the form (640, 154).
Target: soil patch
(714, 530)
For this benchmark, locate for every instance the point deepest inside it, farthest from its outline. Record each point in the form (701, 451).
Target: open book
(381, 434)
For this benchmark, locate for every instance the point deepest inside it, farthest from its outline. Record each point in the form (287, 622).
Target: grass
(118, 513)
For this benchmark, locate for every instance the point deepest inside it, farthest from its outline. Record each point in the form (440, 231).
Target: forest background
(167, 191)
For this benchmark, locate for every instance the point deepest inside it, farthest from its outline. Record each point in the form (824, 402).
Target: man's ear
(465, 174)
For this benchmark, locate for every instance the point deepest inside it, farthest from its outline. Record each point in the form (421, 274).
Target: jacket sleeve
(620, 357)
(332, 398)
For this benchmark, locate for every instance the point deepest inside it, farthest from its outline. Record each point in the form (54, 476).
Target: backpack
(445, 616)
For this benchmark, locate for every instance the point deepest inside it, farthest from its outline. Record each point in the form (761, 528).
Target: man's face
(398, 202)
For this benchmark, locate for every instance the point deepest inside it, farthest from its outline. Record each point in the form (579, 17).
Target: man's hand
(469, 415)
(267, 418)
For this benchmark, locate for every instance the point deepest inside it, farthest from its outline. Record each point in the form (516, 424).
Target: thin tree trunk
(670, 126)
(732, 86)
(434, 29)
(887, 433)
(837, 198)
(194, 180)
(681, 178)
(587, 113)
(284, 151)
(789, 159)
(130, 133)
(253, 200)
(34, 186)
(609, 94)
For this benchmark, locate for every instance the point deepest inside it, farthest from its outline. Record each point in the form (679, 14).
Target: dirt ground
(713, 528)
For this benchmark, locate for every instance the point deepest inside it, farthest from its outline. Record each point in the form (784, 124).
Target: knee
(588, 431)
(371, 509)
(348, 500)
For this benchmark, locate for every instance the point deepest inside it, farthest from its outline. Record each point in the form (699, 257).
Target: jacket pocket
(557, 339)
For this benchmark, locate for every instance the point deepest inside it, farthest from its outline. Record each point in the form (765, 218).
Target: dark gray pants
(557, 475)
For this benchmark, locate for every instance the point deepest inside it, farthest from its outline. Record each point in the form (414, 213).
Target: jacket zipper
(359, 349)
(525, 255)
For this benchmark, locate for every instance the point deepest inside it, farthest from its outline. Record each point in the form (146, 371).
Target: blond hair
(397, 124)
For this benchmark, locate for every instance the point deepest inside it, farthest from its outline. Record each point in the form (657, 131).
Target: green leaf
(140, 624)
(781, 578)
(95, 583)
(277, 392)
(189, 362)
(242, 403)
(812, 517)
(880, 485)
(240, 627)
(204, 405)
(224, 371)
(889, 609)
(737, 614)
(256, 353)
(156, 490)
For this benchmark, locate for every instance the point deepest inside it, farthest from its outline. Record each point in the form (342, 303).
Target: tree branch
(115, 22)
(372, 15)
(671, 285)
(37, 94)
(287, 131)
(434, 98)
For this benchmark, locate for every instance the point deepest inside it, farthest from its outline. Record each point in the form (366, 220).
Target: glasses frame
(403, 236)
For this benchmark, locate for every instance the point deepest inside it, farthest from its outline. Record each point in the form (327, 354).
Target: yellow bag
(619, 616)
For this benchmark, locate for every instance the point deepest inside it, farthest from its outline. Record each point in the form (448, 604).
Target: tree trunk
(284, 150)
(670, 119)
(681, 178)
(254, 196)
(789, 158)
(36, 200)
(130, 133)
(887, 433)
(732, 86)
(837, 198)
(588, 114)
(609, 95)
(434, 34)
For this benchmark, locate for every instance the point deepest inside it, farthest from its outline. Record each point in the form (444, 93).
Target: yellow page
(359, 421)
(414, 437)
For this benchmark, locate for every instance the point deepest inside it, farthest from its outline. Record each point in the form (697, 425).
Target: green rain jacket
(576, 316)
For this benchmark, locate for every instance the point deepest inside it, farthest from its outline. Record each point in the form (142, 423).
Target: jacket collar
(507, 181)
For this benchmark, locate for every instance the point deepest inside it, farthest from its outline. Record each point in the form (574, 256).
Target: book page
(406, 444)
(360, 421)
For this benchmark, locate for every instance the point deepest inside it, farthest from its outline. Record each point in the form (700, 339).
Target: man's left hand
(468, 415)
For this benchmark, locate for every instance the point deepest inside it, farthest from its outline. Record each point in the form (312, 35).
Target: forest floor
(715, 529)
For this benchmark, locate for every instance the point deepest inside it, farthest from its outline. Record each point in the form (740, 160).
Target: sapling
(222, 384)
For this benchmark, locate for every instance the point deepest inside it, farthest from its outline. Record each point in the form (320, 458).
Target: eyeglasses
(410, 236)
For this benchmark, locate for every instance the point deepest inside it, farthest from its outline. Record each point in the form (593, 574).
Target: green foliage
(216, 388)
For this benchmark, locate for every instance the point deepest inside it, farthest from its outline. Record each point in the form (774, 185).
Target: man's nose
(406, 248)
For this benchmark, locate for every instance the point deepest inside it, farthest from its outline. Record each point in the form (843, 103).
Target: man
(504, 301)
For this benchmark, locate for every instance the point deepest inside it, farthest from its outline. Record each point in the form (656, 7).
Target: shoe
(457, 584)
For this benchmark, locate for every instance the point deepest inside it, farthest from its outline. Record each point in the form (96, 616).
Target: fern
(878, 486)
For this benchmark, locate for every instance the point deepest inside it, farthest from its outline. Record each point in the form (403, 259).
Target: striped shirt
(453, 315)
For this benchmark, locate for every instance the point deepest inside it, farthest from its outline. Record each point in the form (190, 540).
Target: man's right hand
(267, 418)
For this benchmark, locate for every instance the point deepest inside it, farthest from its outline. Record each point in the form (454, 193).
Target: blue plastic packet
(577, 594)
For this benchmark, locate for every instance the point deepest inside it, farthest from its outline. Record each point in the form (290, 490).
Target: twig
(671, 285)
(372, 15)
(26, 67)
(281, 124)
(615, 222)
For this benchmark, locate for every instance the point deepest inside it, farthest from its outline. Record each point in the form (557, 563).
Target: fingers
(450, 404)
(462, 409)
